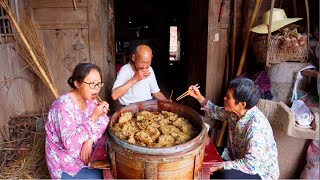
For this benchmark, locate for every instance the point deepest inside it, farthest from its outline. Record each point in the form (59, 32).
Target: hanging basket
(267, 47)
(275, 53)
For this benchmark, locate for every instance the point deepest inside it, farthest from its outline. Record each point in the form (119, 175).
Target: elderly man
(136, 80)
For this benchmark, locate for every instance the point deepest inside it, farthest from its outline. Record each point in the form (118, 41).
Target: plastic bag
(312, 168)
(298, 78)
(303, 115)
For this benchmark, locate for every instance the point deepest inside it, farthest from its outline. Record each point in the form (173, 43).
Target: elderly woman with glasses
(75, 122)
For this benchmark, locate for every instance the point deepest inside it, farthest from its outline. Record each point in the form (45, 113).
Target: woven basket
(270, 53)
(280, 116)
(276, 54)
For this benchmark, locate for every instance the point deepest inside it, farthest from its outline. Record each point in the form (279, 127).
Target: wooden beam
(57, 3)
(108, 41)
(60, 15)
(53, 26)
(96, 51)
(216, 53)
(95, 43)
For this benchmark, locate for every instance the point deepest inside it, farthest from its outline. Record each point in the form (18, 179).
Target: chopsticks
(171, 94)
(186, 93)
(100, 100)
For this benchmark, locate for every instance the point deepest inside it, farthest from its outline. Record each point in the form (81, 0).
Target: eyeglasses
(94, 85)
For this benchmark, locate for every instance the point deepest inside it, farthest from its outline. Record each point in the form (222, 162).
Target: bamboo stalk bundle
(33, 37)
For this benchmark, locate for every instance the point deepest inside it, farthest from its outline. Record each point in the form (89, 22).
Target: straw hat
(279, 20)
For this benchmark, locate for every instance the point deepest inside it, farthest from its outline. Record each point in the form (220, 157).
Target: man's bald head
(142, 57)
(141, 49)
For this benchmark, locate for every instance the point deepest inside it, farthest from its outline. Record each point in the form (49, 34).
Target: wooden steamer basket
(182, 161)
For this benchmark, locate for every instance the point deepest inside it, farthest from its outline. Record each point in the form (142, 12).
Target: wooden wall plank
(99, 51)
(225, 16)
(215, 55)
(4, 84)
(97, 34)
(61, 18)
(95, 51)
(107, 20)
(53, 26)
(17, 95)
(63, 54)
(57, 3)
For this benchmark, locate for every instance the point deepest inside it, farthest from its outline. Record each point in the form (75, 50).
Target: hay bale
(31, 165)
(22, 151)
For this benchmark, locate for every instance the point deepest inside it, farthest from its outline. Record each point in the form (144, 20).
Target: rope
(74, 4)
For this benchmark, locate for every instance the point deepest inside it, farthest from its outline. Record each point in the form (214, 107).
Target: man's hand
(142, 74)
(86, 150)
(123, 89)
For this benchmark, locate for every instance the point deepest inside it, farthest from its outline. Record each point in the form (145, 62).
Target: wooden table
(211, 159)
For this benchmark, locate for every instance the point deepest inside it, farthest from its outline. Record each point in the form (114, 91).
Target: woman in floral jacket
(75, 122)
(251, 151)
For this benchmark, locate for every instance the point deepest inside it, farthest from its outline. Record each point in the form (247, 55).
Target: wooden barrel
(182, 161)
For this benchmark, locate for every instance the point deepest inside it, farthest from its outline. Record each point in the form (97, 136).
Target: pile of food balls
(153, 129)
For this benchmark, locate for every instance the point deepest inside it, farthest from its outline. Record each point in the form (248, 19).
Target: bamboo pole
(269, 33)
(245, 17)
(247, 35)
(26, 43)
(234, 32)
(243, 56)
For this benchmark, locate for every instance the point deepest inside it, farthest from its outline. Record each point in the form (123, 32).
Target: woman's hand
(86, 150)
(101, 109)
(194, 92)
(214, 169)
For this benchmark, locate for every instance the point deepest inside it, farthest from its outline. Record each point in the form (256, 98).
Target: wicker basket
(270, 53)
(280, 116)
(276, 54)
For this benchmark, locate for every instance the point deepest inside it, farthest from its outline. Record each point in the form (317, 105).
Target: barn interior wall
(19, 89)
(71, 34)
(74, 34)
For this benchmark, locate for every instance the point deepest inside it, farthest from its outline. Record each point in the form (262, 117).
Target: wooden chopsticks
(186, 93)
(100, 100)
(171, 94)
